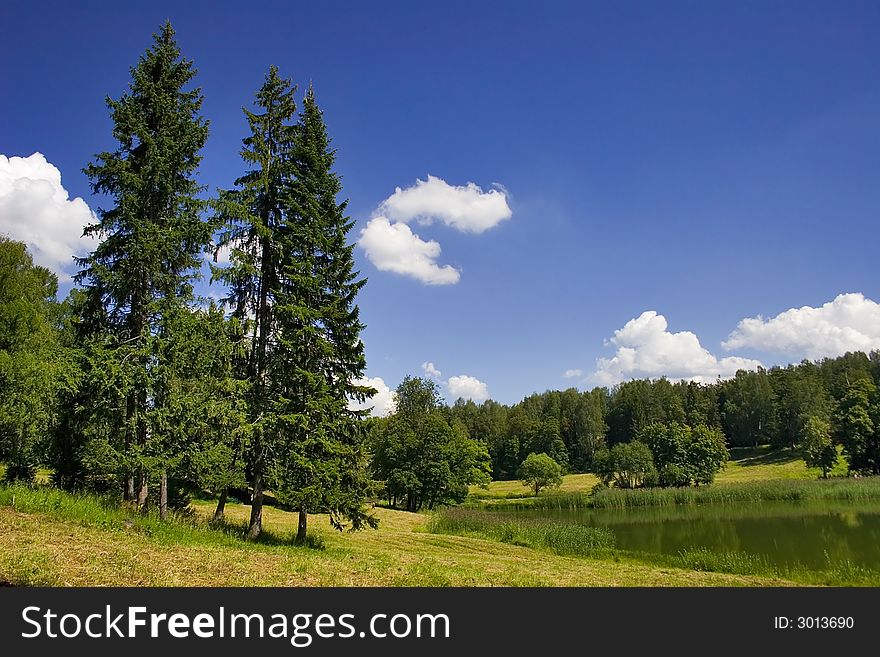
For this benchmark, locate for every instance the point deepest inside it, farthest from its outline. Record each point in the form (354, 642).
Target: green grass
(840, 573)
(53, 538)
(766, 473)
(835, 490)
(556, 537)
(48, 537)
(764, 464)
(107, 514)
(501, 490)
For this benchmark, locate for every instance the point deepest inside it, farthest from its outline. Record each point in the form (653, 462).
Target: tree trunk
(301, 527)
(221, 507)
(129, 495)
(256, 524)
(163, 496)
(143, 492)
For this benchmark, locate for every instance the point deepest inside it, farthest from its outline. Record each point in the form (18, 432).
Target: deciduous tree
(539, 471)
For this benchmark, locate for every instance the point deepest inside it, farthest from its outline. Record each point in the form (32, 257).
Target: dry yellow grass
(37, 548)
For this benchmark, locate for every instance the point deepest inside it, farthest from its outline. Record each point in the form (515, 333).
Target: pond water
(815, 535)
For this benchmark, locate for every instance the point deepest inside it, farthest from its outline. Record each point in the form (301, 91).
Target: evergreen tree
(320, 461)
(152, 235)
(255, 216)
(198, 412)
(291, 278)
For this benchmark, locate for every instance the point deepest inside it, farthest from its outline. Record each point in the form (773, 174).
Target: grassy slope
(745, 465)
(49, 547)
(573, 483)
(762, 464)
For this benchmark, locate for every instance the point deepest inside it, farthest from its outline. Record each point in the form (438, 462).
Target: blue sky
(708, 161)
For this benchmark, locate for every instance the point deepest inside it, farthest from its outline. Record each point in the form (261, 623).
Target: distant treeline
(764, 407)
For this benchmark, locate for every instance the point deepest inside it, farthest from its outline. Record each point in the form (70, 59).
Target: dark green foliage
(421, 458)
(36, 370)
(568, 425)
(627, 465)
(706, 454)
(152, 239)
(540, 471)
(198, 422)
(754, 408)
(669, 448)
(748, 408)
(800, 396)
(292, 271)
(153, 235)
(683, 455)
(700, 403)
(857, 426)
(255, 217)
(320, 460)
(638, 403)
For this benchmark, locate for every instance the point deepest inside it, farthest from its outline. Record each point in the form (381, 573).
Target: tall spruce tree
(152, 235)
(254, 214)
(291, 278)
(320, 464)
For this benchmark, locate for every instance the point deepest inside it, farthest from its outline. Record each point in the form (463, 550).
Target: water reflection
(785, 533)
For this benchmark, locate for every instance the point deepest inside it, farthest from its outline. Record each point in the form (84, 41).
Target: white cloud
(466, 208)
(390, 244)
(572, 374)
(646, 349)
(848, 323)
(468, 387)
(431, 371)
(395, 248)
(382, 403)
(36, 209)
(221, 256)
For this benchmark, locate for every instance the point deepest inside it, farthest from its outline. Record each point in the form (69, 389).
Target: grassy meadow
(52, 538)
(48, 537)
(746, 465)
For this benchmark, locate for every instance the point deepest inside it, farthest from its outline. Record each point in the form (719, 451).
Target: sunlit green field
(52, 538)
(745, 465)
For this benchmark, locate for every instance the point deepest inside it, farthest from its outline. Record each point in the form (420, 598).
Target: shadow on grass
(238, 531)
(748, 456)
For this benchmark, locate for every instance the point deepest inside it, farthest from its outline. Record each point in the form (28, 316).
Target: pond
(811, 534)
